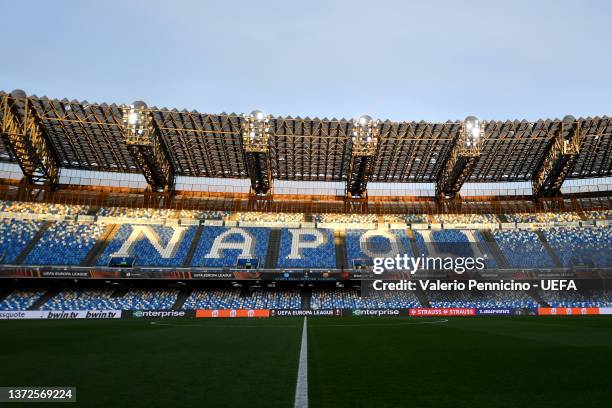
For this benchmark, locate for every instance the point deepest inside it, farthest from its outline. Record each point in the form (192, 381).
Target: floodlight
(258, 115)
(473, 131)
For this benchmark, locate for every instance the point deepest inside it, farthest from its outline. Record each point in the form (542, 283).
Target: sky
(397, 60)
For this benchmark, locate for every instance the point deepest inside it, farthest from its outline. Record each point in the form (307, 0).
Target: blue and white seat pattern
(368, 244)
(485, 300)
(15, 236)
(103, 299)
(581, 246)
(20, 299)
(350, 299)
(65, 243)
(150, 245)
(307, 248)
(232, 299)
(522, 249)
(222, 247)
(454, 243)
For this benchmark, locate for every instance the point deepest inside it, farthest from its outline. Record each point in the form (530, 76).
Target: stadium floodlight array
(463, 157)
(255, 140)
(256, 132)
(137, 124)
(365, 135)
(363, 149)
(560, 158)
(472, 133)
(146, 147)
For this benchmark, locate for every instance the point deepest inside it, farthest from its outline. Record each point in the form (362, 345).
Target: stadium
(322, 204)
(164, 231)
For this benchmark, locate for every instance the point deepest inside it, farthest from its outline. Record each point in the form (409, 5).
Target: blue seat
(64, 243)
(143, 250)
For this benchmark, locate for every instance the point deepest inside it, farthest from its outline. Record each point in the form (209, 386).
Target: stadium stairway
(273, 249)
(28, 248)
(502, 218)
(306, 296)
(549, 249)
(246, 291)
(44, 299)
(98, 249)
(537, 297)
(500, 259)
(340, 244)
(193, 247)
(413, 245)
(181, 298)
(93, 210)
(120, 292)
(422, 296)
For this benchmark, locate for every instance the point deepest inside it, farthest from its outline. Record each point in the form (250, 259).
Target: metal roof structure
(82, 135)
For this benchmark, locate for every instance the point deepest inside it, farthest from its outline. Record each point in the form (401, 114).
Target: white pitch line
(301, 386)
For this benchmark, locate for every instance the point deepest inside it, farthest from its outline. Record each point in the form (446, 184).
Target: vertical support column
(25, 137)
(462, 160)
(363, 150)
(559, 160)
(255, 137)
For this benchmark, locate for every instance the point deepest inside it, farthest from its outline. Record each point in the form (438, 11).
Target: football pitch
(351, 362)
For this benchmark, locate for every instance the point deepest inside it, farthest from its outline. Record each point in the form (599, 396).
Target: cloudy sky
(400, 60)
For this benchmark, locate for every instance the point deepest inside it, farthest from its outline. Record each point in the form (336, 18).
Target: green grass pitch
(352, 362)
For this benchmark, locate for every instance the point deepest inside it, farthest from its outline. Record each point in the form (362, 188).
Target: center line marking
(301, 386)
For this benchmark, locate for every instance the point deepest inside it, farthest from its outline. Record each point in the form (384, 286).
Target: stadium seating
(69, 243)
(215, 249)
(318, 251)
(466, 218)
(577, 299)
(231, 299)
(41, 208)
(581, 246)
(522, 249)
(127, 213)
(15, 236)
(350, 299)
(416, 218)
(280, 298)
(150, 245)
(204, 215)
(103, 299)
(544, 217)
(269, 217)
(455, 243)
(20, 299)
(346, 218)
(599, 215)
(485, 300)
(64, 243)
(366, 244)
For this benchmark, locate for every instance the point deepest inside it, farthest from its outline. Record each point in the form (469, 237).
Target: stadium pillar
(255, 137)
(25, 137)
(462, 159)
(558, 160)
(145, 144)
(363, 150)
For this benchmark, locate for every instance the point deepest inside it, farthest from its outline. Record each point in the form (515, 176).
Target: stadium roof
(89, 136)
